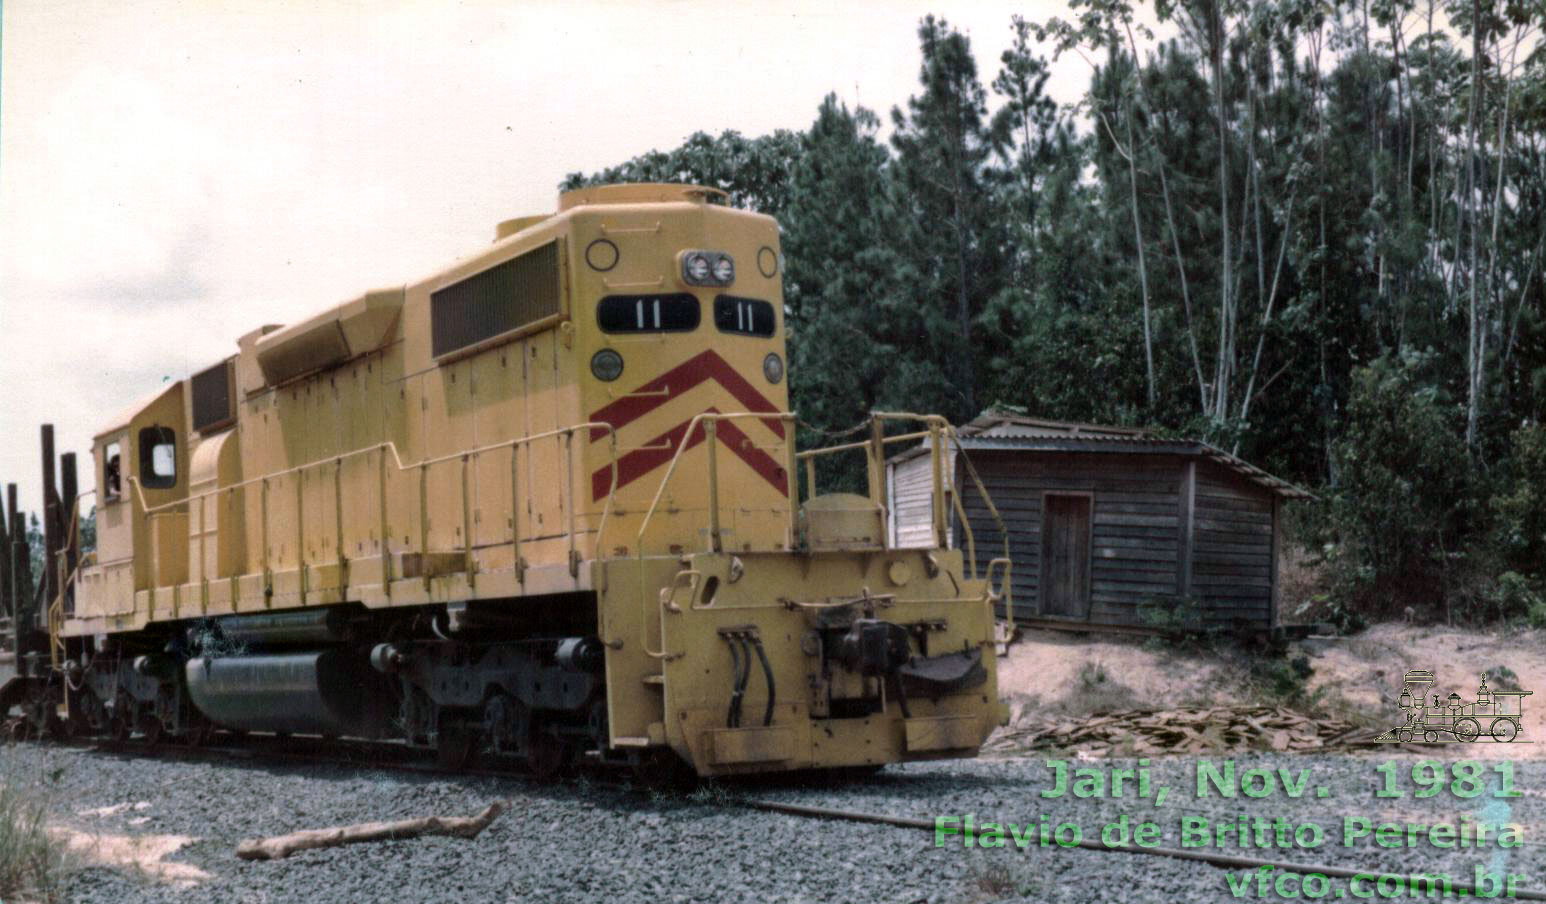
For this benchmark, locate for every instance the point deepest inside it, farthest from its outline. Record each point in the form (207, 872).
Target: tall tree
(942, 145)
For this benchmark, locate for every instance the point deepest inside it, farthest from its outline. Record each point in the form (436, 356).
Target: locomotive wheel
(1431, 736)
(198, 734)
(121, 724)
(547, 755)
(455, 746)
(1504, 730)
(1404, 735)
(663, 769)
(150, 726)
(1467, 730)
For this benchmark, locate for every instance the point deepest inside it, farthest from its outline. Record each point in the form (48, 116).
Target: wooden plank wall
(1135, 535)
(1232, 571)
(911, 489)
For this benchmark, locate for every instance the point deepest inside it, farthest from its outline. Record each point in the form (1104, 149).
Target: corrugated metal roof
(1012, 433)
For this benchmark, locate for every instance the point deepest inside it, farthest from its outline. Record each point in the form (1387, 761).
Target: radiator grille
(505, 297)
(212, 407)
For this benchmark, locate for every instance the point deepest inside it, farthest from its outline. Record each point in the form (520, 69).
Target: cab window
(747, 316)
(648, 313)
(158, 458)
(112, 470)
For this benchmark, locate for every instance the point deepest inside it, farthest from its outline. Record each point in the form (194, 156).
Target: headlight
(707, 268)
(606, 365)
(772, 367)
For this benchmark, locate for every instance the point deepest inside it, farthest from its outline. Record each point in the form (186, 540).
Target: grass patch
(1097, 692)
(32, 862)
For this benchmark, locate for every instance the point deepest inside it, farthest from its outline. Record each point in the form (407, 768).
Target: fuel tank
(329, 692)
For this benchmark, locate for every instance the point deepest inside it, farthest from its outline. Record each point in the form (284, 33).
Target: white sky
(174, 174)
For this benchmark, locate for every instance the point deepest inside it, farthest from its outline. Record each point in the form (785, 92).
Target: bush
(1403, 502)
(31, 861)
(1520, 508)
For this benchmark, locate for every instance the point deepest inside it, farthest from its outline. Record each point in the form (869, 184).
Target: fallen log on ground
(281, 846)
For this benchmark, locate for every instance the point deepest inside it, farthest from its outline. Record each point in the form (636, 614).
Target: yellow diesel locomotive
(544, 502)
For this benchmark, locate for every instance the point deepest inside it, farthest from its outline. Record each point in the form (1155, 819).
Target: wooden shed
(1108, 526)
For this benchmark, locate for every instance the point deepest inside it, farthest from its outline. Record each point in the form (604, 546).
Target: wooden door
(1065, 555)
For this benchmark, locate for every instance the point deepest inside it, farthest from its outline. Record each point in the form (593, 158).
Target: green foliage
(1284, 680)
(32, 863)
(1401, 507)
(1512, 597)
(1176, 618)
(1521, 506)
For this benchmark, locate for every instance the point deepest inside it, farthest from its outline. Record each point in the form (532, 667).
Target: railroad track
(375, 756)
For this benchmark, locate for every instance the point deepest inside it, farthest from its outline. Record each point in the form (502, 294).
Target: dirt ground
(1358, 677)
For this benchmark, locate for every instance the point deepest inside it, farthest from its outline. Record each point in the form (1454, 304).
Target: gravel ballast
(587, 841)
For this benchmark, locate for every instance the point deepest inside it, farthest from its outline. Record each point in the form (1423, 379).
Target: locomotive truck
(544, 502)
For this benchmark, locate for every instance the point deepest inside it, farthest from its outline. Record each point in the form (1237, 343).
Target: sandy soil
(143, 855)
(1367, 668)
(1363, 671)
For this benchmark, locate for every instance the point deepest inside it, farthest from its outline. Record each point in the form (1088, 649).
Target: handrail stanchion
(877, 469)
(338, 517)
(515, 513)
(385, 545)
(574, 553)
(710, 433)
(424, 523)
(300, 531)
(937, 467)
(792, 478)
(467, 563)
(268, 571)
(982, 493)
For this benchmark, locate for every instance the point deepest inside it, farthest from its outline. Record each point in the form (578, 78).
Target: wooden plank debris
(1214, 729)
(282, 846)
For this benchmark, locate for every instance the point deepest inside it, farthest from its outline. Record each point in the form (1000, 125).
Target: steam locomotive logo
(1495, 714)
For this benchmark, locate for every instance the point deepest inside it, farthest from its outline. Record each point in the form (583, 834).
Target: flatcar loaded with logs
(546, 503)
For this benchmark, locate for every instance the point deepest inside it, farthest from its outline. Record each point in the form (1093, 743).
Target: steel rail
(1213, 859)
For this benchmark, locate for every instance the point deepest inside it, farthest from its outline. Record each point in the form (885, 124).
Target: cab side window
(112, 470)
(158, 458)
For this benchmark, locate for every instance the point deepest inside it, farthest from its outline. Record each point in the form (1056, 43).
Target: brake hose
(767, 671)
(735, 682)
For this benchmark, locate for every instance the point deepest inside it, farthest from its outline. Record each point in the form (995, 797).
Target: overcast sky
(174, 174)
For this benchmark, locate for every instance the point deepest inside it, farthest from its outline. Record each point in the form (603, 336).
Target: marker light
(606, 365)
(773, 367)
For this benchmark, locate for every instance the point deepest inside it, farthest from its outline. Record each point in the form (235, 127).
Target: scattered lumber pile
(1216, 729)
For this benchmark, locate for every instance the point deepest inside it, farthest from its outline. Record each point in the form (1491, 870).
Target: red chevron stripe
(639, 462)
(700, 368)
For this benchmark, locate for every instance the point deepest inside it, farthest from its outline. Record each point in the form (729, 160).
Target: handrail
(55, 613)
(423, 466)
(982, 493)
(709, 420)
